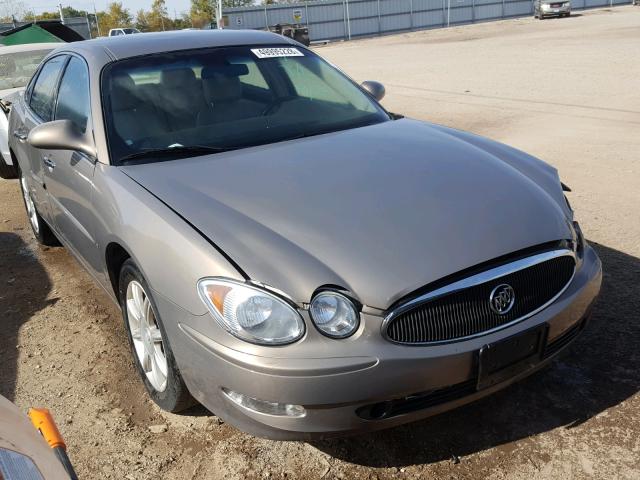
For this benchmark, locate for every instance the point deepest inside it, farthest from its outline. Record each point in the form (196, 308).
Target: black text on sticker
(276, 52)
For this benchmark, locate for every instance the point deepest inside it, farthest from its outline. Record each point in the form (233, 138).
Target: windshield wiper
(173, 152)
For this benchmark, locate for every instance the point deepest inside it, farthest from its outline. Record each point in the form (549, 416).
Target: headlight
(334, 314)
(249, 313)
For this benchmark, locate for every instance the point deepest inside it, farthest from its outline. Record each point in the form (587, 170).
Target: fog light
(264, 406)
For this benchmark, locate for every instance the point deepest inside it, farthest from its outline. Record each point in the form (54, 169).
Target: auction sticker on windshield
(276, 52)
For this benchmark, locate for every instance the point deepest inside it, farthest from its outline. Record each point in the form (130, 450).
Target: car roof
(126, 46)
(29, 47)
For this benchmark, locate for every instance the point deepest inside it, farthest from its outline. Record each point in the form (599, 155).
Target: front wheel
(149, 343)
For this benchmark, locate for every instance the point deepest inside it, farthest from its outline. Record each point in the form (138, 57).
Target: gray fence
(345, 19)
(80, 25)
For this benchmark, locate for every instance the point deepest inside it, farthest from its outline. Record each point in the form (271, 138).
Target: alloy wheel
(147, 336)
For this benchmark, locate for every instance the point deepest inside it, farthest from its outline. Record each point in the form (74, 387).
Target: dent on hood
(544, 174)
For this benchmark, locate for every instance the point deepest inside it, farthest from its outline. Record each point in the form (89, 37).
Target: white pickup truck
(17, 65)
(115, 32)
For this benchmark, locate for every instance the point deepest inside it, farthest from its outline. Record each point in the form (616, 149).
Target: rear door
(69, 174)
(39, 103)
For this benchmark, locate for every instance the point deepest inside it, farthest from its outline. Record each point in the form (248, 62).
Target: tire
(43, 233)
(8, 172)
(149, 342)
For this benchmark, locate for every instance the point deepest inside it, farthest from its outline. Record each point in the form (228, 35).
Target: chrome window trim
(477, 279)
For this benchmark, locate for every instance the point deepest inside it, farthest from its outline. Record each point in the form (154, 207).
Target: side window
(73, 95)
(43, 93)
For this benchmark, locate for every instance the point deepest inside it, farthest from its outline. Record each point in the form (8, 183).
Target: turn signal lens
(250, 313)
(264, 406)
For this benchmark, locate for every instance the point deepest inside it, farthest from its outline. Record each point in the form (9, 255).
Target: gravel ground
(565, 90)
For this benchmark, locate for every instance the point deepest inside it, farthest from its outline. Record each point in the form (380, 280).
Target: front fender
(170, 253)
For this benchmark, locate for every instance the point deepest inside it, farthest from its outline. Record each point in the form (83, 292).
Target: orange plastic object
(43, 421)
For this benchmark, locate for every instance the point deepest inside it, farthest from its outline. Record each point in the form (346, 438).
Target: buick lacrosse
(284, 250)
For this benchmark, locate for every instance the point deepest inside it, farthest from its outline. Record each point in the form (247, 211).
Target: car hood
(379, 210)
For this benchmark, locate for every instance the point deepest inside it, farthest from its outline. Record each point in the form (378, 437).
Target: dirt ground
(565, 90)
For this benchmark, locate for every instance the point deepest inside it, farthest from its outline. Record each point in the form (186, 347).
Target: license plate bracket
(506, 358)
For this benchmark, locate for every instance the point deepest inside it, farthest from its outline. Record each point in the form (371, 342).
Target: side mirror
(375, 89)
(61, 135)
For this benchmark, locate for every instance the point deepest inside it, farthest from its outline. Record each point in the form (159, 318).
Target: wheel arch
(115, 256)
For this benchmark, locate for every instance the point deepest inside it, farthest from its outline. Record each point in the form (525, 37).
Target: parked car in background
(17, 65)
(116, 32)
(547, 8)
(283, 249)
(299, 33)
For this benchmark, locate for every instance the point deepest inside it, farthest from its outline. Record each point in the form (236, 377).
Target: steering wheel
(276, 104)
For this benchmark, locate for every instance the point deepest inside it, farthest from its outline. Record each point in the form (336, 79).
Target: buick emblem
(502, 299)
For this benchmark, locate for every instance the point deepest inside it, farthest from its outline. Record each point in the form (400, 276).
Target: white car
(17, 64)
(114, 32)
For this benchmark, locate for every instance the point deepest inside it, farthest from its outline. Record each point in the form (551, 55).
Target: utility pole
(95, 14)
(61, 15)
(220, 24)
(86, 16)
(348, 19)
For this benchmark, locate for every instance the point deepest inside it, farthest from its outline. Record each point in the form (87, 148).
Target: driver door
(69, 174)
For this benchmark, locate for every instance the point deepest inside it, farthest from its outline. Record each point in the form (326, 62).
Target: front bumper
(341, 380)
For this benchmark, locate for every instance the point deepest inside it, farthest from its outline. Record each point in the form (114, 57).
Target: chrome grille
(462, 309)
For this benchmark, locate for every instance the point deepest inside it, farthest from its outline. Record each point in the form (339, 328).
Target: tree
(116, 16)
(48, 16)
(69, 12)
(157, 18)
(12, 8)
(141, 22)
(184, 21)
(202, 12)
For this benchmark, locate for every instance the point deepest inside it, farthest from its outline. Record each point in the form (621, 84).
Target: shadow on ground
(600, 370)
(24, 287)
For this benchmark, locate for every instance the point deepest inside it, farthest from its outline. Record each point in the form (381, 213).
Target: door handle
(48, 162)
(20, 136)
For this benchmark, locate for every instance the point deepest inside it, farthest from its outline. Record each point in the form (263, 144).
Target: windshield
(226, 98)
(130, 30)
(16, 69)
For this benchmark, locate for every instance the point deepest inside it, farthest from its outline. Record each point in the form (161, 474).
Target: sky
(133, 5)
